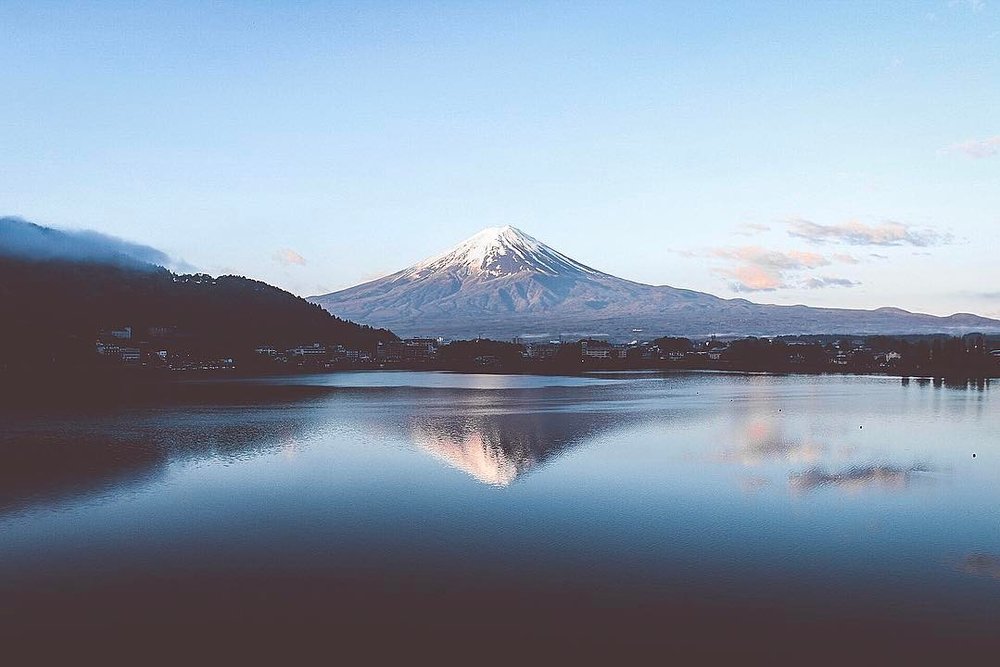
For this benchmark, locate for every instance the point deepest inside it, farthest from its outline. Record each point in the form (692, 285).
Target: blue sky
(842, 154)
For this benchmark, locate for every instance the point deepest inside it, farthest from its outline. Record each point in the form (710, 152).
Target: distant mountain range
(502, 283)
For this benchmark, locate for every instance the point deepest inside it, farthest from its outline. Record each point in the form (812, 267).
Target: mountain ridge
(503, 283)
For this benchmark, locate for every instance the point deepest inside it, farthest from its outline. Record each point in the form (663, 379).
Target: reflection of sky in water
(764, 486)
(857, 478)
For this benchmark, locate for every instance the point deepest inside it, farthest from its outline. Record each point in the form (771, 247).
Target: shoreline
(142, 386)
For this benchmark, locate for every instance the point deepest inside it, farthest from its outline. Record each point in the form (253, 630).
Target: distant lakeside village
(167, 348)
(79, 319)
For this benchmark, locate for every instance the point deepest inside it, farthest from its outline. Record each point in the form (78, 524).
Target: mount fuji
(502, 283)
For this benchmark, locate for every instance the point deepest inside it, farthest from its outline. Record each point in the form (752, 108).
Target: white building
(314, 350)
(601, 350)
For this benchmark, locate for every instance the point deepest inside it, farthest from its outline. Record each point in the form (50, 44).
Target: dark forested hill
(52, 309)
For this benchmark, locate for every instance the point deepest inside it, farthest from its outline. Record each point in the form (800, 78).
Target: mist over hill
(20, 239)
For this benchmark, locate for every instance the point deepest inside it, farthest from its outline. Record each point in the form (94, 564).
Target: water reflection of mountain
(42, 468)
(496, 449)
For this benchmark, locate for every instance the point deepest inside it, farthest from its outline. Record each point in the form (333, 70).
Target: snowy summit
(497, 252)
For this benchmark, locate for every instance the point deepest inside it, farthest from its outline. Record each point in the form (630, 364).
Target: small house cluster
(155, 346)
(167, 347)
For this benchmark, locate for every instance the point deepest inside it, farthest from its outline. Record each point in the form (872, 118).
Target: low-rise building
(390, 352)
(307, 351)
(119, 352)
(597, 349)
(420, 349)
(121, 333)
(108, 349)
(542, 350)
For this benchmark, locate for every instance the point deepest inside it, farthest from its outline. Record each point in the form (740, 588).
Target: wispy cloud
(975, 6)
(988, 294)
(976, 148)
(289, 257)
(752, 229)
(760, 270)
(854, 232)
(827, 281)
(757, 269)
(754, 279)
(26, 240)
(795, 259)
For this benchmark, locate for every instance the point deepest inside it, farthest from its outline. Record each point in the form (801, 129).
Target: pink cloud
(754, 279)
(289, 257)
(757, 269)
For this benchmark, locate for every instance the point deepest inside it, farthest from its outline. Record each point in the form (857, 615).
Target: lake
(385, 514)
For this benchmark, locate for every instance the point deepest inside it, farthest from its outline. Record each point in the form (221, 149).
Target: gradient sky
(843, 154)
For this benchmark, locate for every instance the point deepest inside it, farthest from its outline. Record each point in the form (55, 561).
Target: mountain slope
(503, 283)
(56, 293)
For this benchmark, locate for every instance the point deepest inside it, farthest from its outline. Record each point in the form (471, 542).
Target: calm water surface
(383, 510)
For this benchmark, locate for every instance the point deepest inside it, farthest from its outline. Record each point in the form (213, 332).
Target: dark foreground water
(372, 515)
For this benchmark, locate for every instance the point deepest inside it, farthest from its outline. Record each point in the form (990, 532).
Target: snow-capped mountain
(502, 283)
(497, 252)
